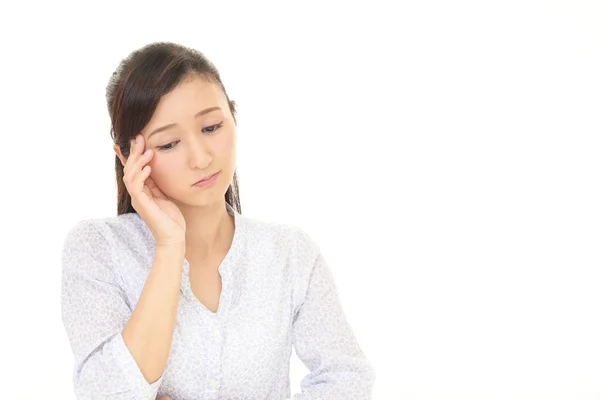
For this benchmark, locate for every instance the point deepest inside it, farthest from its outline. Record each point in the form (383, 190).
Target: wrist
(171, 243)
(171, 248)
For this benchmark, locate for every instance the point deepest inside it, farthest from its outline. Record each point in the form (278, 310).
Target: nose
(199, 155)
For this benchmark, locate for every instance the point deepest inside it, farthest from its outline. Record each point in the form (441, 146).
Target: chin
(207, 196)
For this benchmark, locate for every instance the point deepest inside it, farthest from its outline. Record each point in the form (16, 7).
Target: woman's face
(198, 140)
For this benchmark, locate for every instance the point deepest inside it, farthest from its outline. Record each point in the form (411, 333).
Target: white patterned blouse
(277, 292)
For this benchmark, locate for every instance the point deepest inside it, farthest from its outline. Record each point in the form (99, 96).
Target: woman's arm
(325, 343)
(149, 332)
(118, 354)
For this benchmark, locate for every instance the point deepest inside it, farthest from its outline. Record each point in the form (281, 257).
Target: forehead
(186, 99)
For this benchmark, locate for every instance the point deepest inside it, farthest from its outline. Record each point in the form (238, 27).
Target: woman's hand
(163, 217)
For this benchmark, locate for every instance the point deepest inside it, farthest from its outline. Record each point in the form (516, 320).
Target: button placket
(213, 382)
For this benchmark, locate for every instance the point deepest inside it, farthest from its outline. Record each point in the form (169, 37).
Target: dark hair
(134, 91)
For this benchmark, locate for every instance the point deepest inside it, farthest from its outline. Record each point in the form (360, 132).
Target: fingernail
(137, 138)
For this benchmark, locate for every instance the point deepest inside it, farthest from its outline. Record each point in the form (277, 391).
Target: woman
(180, 295)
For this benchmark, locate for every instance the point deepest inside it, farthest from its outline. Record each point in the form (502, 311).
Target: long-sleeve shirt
(277, 292)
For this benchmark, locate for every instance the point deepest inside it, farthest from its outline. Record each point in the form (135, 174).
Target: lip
(207, 181)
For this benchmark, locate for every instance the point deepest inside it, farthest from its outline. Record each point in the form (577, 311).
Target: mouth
(207, 180)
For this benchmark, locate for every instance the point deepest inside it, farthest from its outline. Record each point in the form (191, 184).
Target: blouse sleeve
(325, 343)
(94, 312)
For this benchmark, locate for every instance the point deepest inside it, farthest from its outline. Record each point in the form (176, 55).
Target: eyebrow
(198, 114)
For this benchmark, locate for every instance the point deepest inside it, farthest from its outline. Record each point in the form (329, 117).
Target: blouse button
(213, 383)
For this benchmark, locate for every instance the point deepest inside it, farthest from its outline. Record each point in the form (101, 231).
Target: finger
(165, 398)
(135, 149)
(136, 166)
(137, 185)
(141, 161)
(130, 156)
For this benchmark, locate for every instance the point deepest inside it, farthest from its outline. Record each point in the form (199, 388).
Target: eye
(214, 128)
(168, 146)
(210, 130)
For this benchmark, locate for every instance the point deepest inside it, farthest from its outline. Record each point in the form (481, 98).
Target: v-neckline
(224, 270)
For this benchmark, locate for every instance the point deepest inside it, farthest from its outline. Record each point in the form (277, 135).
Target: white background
(444, 154)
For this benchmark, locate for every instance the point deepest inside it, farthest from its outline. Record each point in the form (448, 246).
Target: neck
(209, 230)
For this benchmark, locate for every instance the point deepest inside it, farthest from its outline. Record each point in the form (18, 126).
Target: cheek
(162, 168)
(226, 144)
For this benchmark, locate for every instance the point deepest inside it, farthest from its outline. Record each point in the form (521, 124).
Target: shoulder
(290, 238)
(97, 234)
(95, 247)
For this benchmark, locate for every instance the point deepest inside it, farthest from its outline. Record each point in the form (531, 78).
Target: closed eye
(210, 130)
(168, 146)
(215, 128)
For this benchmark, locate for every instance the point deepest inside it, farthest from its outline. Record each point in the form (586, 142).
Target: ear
(233, 105)
(117, 150)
